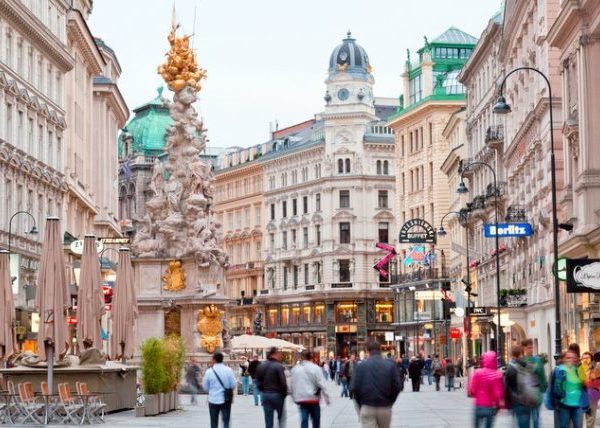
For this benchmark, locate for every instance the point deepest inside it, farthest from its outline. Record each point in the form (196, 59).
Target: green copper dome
(148, 128)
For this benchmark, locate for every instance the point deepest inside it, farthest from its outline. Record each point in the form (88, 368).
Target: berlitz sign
(416, 231)
(507, 230)
(583, 275)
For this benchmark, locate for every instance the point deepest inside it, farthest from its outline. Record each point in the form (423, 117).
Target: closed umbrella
(124, 310)
(90, 299)
(7, 307)
(52, 298)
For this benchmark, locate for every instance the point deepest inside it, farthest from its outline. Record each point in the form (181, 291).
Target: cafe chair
(32, 408)
(70, 409)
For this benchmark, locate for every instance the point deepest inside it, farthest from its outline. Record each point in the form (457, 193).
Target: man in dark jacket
(252, 372)
(375, 386)
(414, 372)
(272, 384)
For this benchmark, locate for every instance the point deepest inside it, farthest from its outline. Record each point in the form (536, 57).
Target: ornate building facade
(329, 187)
(432, 99)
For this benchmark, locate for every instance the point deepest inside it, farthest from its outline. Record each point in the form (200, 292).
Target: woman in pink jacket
(486, 386)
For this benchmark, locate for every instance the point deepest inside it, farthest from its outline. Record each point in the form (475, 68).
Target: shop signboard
(417, 231)
(478, 311)
(77, 247)
(115, 241)
(583, 275)
(455, 333)
(507, 230)
(389, 336)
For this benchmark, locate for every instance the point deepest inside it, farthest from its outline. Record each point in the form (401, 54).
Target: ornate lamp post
(502, 107)
(33, 231)
(442, 232)
(462, 189)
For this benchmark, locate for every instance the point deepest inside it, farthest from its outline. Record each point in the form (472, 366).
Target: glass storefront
(272, 316)
(384, 311)
(306, 311)
(346, 312)
(295, 316)
(285, 315)
(319, 316)
(420, 306)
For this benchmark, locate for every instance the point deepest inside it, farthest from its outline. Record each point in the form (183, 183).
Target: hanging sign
(77, 247)
(454, 333)
(583, 275)
(508, 230)
(417, 231)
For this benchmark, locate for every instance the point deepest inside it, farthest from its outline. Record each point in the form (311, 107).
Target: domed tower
(349, 100)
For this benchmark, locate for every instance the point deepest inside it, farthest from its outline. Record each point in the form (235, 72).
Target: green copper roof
(454, 36)
(148, 127)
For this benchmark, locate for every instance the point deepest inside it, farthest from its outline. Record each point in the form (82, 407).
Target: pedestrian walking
(332, 368)
(459, 367)
(344, 380)
(438, 370)
(538, 366)
(272, 384)
(376, 386)
(414, 372)
(427, 369)
(219, 382)
(191, 377)
(568, 393)
(245, 375)
(338, 370)
(349, 372)
(593, 388)
(307, 388)
(326, 370)
(252, 366)
(450, 374)
(522, 389)
(487, 388)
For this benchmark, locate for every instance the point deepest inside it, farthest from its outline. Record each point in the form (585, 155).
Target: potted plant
(174, 353)
(154, 375)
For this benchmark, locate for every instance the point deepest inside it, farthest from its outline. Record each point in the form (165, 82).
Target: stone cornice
(78, 31)
(115, 101)
(567, 20)
(36, 32)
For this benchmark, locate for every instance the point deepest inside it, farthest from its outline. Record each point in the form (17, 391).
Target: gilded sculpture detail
(174, 277)
(210, 327)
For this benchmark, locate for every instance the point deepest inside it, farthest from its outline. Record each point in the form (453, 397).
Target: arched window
(347, 165)
(341, 166)
(386, 168)
(378, 167)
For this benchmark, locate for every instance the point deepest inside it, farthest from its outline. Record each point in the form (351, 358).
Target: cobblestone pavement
(426, 408)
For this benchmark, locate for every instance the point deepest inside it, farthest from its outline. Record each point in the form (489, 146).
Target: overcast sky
(267, 59)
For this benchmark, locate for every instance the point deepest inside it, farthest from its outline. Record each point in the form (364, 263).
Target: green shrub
(154, 373)
(174, 357)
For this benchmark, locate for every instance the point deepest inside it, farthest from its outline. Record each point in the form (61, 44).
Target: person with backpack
(437, 369)
(450, 374)
(487, 388)
(538, 365)
(567, 393)
(522, 389)
(219, 382)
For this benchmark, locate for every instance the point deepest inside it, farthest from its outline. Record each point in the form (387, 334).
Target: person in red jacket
(487, 388)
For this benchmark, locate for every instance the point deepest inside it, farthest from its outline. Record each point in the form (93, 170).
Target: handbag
(228, 394)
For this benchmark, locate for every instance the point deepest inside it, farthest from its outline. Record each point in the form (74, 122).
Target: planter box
(151, 404)
(140, 411)
(162, 402)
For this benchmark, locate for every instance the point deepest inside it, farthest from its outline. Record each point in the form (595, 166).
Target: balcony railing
(500, 189)
(516, 213)
(494, 136)
(513, 298)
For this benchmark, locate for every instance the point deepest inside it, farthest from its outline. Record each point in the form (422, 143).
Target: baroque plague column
(179, 263)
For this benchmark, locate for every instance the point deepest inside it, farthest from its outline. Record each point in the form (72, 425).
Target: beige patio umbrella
(90, 299)
(124, 310)
(7, 307)
(52, 298)
(248, 341)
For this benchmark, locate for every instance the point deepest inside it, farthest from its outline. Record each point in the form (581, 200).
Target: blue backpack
(554, 393)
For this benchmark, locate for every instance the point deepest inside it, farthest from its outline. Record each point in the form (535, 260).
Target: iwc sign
(583, 276)
(416, 231)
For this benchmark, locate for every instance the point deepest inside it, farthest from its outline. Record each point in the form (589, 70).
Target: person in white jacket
(308, 386)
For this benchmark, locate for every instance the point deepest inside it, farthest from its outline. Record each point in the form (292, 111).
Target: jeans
(428, 374)
(437, 382)
(273, 402)
(245, 385)
(344, 388)
(255, 392)
(214, 409)
(535, 417)
(450, 383)
(312, 411)
(523, 415)
(193, 392)
(487, 414)
(567, 414)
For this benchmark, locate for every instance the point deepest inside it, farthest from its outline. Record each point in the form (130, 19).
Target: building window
(341, 166)
(285, 277)
(384, 232)
(378, 167)
(306, 310)
(344, 270)
(319, 313)
(295, 277)
(293, 238)
(272, 241)
(285, 315)
(384, 311)
(272, 211)
(272, 317)
(284, 240)
(306, 273)
(305, 237)
(346, 312)
(344, 198)
(318, 234)
(416, 91)
(295, 318)
(318, 202)
(305, 205)
(318, 170)
(258, 251)
(382, 199)
(347, 166)
(257, 216)
(344, 233)
(284, 209)
(386, 168)
(294, 206)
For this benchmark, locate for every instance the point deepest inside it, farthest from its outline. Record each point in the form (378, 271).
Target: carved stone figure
(174, 277)
(226, 336)
(210, 327)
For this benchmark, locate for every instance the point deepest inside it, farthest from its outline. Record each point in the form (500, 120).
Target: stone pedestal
(161, 311)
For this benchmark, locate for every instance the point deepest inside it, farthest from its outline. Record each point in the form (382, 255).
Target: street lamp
(33, 231)
(462, 188)
(442, 232)
(502, 107)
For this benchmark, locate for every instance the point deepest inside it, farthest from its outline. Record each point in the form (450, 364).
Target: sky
(267, 59)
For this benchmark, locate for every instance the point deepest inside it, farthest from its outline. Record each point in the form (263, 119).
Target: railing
(513, 298)
(500, 189)
(494, 134)
(516, 213)
(478, 203)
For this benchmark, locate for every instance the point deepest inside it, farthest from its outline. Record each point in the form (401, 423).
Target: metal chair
(51, 402)
(69, 408)
(96, 406)
(31, 408)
